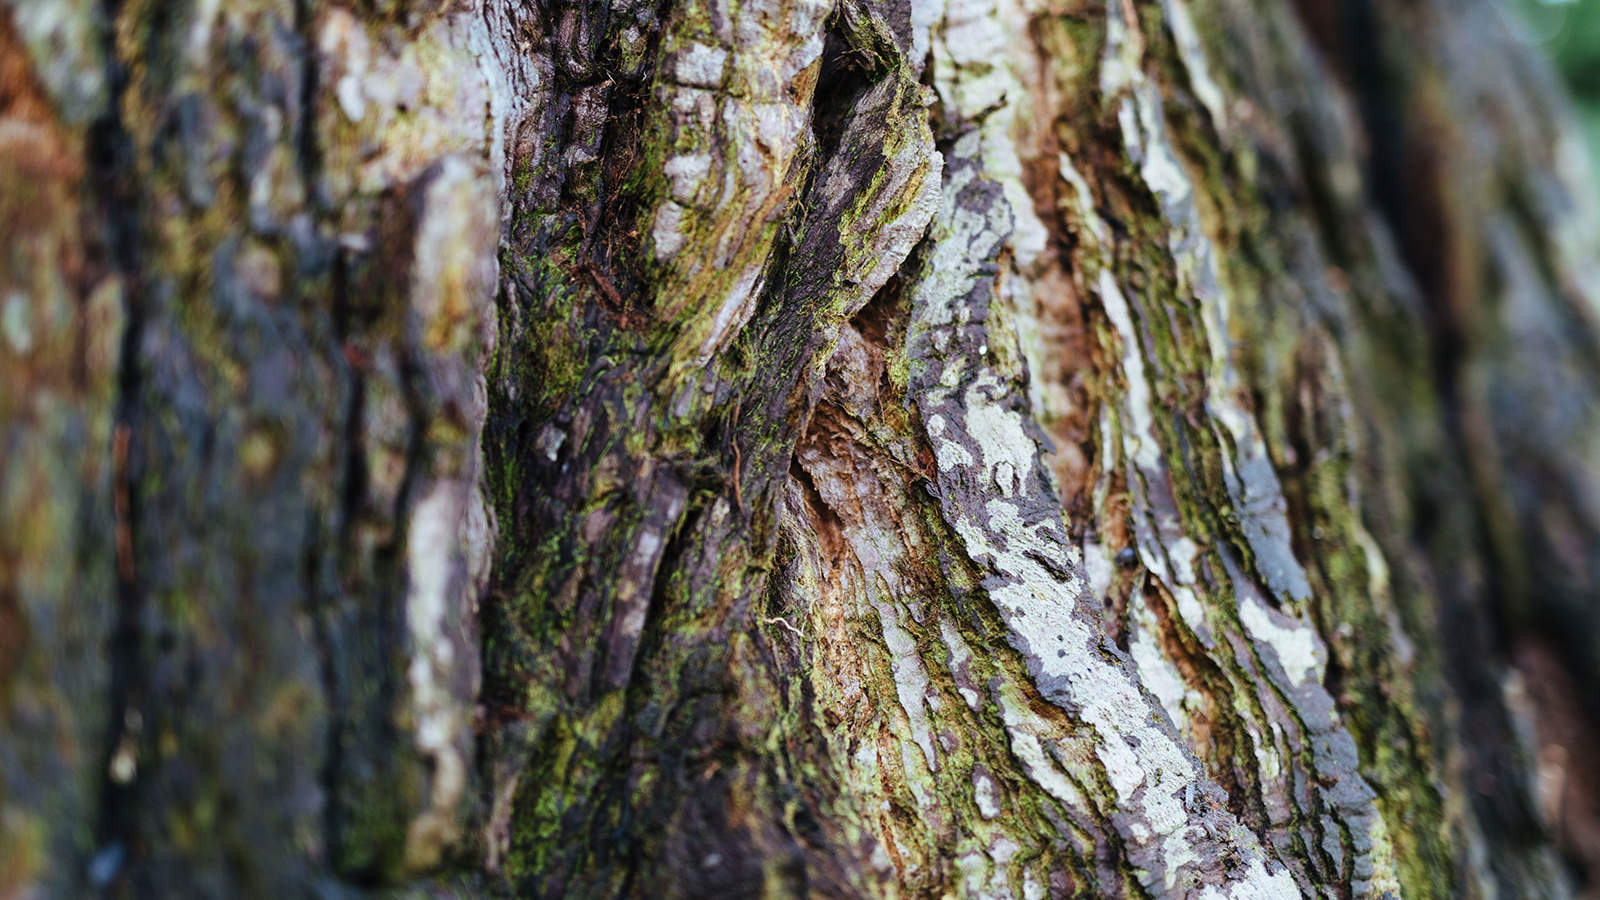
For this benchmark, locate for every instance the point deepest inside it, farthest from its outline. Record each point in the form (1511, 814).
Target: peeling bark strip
(974, 448)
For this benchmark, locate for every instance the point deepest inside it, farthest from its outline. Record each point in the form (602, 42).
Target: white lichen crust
(996, 494)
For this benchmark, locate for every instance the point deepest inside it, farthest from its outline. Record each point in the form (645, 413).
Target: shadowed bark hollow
(957, 448)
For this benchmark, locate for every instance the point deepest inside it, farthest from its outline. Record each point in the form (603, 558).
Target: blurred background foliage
(1569, 31)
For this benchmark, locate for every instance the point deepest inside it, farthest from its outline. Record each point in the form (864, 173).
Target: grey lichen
(996, 494)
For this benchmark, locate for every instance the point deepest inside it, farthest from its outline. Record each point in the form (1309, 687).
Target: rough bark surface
(975, 448)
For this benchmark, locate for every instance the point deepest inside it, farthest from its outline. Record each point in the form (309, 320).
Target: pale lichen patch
(1031, 571)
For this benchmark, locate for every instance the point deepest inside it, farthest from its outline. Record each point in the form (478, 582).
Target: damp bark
(975, 448)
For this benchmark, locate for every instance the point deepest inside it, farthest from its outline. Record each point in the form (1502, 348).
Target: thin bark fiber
(957, 448)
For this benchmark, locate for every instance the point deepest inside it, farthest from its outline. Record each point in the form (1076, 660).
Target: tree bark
(831, 447)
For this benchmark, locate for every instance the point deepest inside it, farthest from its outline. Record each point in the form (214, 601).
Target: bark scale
(969, 448)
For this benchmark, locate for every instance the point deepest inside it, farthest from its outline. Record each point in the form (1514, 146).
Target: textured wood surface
(969, 448)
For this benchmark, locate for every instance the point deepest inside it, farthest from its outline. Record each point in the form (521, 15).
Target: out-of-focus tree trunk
(858, 448)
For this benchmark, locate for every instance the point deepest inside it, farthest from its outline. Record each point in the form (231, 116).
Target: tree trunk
(971, 448)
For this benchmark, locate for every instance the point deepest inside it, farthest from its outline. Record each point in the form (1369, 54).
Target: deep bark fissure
(109, 151)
